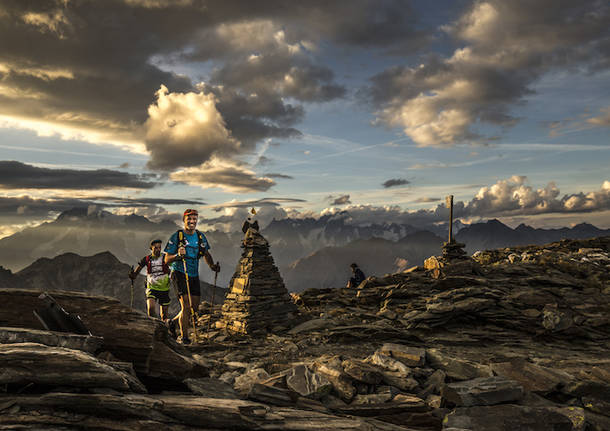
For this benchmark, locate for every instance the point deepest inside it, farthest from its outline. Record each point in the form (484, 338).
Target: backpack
(164, 265)
(199, 241)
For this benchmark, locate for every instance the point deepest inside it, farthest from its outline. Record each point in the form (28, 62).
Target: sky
(379, 108)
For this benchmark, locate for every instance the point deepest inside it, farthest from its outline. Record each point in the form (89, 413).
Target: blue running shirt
(192, 252)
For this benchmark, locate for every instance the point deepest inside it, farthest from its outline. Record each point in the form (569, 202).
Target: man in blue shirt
(188, 245)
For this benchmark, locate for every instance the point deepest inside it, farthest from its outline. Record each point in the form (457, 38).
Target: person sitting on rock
(157, 280)
(357, 278)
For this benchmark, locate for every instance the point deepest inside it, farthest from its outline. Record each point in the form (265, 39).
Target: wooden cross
(449, 204)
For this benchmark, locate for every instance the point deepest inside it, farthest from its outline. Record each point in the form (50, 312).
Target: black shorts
(161, 296)
(180, 281)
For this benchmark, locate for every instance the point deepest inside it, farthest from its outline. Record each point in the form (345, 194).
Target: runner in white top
(157, 280)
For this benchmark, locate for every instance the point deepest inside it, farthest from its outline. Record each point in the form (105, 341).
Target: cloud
(275, 202)
(508, 46)
(185, 129)
(426, 199)
(395, 182)
(17, 175)
(514, 196)
(506, 198)
(339, 200)
(601, 120)
(279, 176)
(263, 161)
(225, 175)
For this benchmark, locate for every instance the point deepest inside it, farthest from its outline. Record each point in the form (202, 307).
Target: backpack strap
(164, 266)
(199, 241)
(148, 264)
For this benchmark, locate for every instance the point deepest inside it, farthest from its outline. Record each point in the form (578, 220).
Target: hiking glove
(133, 275)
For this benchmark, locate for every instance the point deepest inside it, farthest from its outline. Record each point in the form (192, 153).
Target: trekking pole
(212, 306)
(132, 288)
(188, 289)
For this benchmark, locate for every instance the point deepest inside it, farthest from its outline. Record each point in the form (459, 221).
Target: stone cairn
(454, 250)
(258, 301)
(453, 260)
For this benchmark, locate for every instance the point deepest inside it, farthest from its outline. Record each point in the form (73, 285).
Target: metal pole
(132, 288)
(450, 205)
(188, 289)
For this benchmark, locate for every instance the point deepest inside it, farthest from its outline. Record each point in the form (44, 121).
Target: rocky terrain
(511, 339)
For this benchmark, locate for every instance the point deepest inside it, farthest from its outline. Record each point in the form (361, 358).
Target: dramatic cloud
(509, 45)
(395, 182)
(84, 70)
(17, 175)
(230, 177)
(185, 129)
(339, 200)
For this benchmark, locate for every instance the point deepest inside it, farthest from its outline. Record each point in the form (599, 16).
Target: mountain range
(308, 251)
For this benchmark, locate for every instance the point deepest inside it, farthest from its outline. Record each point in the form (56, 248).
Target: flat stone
(410, 356)
(400, 405)
(533, 378)
(272, 395)
(306, 383)
(482, 391)
(211, 388)
(313, 325)
(456, 368)
(508, 417)
(244, 382)
(362, 372)
(388, 363)
(24, 363)
(341, 382)
(86, 343)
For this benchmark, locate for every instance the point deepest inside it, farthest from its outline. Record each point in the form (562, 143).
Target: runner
(157, 280)
(183, 250)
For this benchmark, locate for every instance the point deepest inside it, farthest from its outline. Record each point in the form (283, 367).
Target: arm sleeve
(172, 244)
(142, 262)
